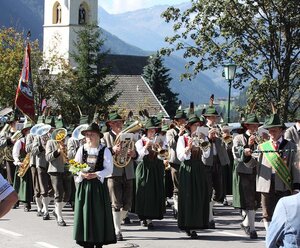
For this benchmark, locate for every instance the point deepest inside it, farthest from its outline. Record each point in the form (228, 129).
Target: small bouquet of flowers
(75, 167)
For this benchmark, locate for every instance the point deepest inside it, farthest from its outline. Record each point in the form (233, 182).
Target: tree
(156, 75)
(91, 89)
(261, 37)
(12, 47)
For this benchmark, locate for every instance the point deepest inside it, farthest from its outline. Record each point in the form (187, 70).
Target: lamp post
(229, 73)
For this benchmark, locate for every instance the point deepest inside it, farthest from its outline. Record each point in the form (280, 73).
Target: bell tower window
(82, 14)
(57, 13)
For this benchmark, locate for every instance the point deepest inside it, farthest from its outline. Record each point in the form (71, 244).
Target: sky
(120, 6)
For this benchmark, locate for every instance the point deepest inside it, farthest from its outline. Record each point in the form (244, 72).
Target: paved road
(26, 230)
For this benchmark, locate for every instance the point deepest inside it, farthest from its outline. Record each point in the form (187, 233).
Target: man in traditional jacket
(172, 135)
(278, 174)
(244, 186)
(120, 182)
(218, 158)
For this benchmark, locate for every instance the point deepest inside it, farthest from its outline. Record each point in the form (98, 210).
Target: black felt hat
(93, 127)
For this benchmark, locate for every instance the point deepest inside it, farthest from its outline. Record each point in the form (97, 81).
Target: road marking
(237, 235)
(230, 234)
(10, 233)
(44, 244)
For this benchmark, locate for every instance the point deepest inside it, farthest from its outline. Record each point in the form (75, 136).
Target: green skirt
(93, 221)
(236, 190)
(150, 189)
(23, 186)
(193, 196)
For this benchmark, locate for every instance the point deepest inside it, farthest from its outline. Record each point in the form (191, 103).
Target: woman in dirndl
(93, 221)
(150, 188)
(193, 194)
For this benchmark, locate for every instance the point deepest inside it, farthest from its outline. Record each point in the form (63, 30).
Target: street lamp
(229, 73)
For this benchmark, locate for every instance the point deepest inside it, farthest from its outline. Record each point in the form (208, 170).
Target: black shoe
(39, 213)
(119, 237)
(127, 221)
(188, 233)
(150, 226)
(225, 202)
(253, 235)
(194, 235)
(144, 223)
(61, 223)
(212, 225)
(26, 209)
(46, 216)
(246, 229)
(54, 214)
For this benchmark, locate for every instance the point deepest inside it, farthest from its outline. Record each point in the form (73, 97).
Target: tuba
(125, 140)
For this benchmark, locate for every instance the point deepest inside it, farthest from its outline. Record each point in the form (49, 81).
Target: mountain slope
(28, 15)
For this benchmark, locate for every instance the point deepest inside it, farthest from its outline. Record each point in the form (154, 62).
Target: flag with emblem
(24, 96)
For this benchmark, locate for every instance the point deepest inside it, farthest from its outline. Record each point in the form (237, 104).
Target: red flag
(24, 96)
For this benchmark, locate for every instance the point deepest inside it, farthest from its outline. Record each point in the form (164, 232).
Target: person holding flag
(24, 100)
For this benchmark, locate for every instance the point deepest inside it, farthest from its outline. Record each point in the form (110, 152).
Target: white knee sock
(175, 199)
(117, 221)
(245, 213)
(58, 210)
(45, 201)
(39, 203)
(123, 214)
(266, 224)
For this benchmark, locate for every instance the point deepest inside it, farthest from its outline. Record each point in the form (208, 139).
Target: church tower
(62, 19)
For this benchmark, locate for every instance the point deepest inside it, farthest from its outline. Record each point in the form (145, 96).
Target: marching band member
(34, 174)
(5, 141)
(193, 193)
(293, 133)
(44, 190)
(93, 221)
(278, 174)
(172, 136)
(120, 182)
(56, 155)
(150, 189)
(22, 185)
(244, 178)
(218, 158)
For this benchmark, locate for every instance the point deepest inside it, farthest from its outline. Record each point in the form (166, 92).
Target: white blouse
(16, 151)
(182, 153)
(107, 162)
(141, 150)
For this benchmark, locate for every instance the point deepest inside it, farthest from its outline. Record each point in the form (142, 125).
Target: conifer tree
(92, 87)
(156, 75)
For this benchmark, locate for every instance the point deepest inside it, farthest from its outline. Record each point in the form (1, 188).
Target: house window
(57, 13)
